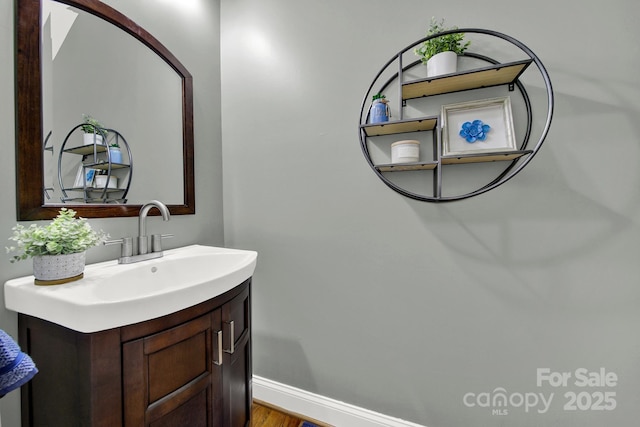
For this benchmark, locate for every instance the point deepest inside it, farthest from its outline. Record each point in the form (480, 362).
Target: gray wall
(404, 307)
(193, 36)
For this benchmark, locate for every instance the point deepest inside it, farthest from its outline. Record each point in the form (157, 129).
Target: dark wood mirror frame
(29, 128)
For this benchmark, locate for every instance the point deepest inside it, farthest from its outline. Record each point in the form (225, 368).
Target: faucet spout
(142, 222)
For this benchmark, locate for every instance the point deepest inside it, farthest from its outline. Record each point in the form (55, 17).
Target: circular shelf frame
(93, 150)
(513, 167)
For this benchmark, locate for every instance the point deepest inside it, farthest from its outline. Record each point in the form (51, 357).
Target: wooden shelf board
(105, 166)
(403, 167)
(481, 158)
(401, 126)
(86, 149)
(473, 79)
(94, 189)
(109, 190)
(94, 200)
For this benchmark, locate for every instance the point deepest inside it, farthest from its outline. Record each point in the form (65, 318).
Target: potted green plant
(440, 54)
(58, 249)
(93, 130)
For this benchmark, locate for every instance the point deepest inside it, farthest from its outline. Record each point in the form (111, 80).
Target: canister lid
(406, 141)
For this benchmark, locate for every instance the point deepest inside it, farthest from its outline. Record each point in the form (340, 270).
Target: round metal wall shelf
(491, 73)
(95, 158)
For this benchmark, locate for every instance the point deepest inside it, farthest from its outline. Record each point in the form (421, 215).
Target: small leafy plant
(92, 125)
(449, 42)
(64, 235)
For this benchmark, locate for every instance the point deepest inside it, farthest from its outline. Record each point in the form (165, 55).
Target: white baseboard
(320, 408)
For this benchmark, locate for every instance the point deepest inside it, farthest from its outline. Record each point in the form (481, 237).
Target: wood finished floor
(263, 416)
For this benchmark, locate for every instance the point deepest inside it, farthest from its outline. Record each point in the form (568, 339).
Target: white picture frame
(82, 174)
(495, 112)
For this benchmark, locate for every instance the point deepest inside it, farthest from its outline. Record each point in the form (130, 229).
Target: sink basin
(111, 295)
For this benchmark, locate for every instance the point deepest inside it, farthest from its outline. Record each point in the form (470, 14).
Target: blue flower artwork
(474, 131)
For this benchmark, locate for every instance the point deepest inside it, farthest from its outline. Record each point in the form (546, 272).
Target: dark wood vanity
(190, 368)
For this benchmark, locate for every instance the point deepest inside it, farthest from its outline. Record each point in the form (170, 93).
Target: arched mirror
(92, 60)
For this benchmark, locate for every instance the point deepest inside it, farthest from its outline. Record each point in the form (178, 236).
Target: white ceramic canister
(101, 180)
(406, 151)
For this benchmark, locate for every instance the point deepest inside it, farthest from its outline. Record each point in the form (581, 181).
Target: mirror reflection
(93, 68)
(157, 124)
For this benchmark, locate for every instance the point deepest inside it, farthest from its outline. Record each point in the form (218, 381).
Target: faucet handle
(127, 245)
(156, 241)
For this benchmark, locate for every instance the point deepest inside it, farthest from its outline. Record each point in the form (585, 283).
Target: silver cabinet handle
(218, 353)
(231, 338)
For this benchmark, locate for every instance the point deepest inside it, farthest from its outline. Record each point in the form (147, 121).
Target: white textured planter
(87, 139)
(442, 63)
(55, 269)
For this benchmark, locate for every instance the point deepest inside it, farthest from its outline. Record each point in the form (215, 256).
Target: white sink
(111, 295)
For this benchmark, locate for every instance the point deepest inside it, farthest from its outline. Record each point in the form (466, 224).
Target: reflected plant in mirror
(91, 125)
(94, 131)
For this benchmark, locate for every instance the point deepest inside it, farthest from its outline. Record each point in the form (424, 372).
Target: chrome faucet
(143, 241)
(127, 256)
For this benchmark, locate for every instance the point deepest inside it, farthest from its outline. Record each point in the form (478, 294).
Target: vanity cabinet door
(236, 326)
(79, 378)
(173, 378)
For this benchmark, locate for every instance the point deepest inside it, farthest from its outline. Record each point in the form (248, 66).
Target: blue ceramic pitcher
(379, 111)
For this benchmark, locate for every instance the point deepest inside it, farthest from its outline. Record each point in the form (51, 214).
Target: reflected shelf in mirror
(100, 177)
